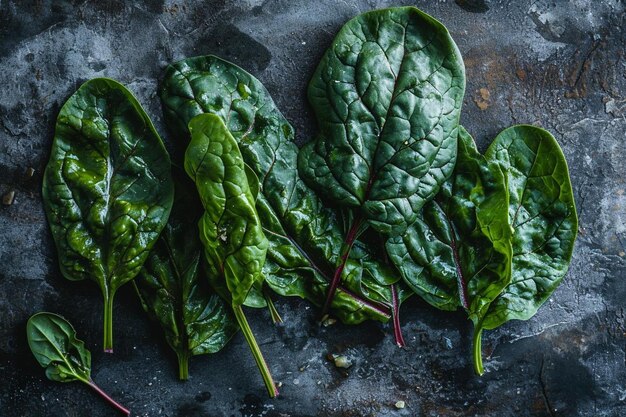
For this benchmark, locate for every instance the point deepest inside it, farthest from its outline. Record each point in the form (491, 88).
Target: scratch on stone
(539, 332)
(163, 26)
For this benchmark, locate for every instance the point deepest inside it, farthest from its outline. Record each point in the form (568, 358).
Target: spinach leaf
(52, 339)
(542, 213)
(387, 95)
(174, 289)
(230, 229)
(107, 189)
(458, 253)
(304, 236)
(498, 238)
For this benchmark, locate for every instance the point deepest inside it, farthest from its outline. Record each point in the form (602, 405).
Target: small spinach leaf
(230, 229)
(542, 213)
(458, 253)
(304, 236)
(173, 287)
(107, 189)
(52, 339)
(387, 95)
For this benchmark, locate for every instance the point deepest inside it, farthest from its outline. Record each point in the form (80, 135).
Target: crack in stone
(7, 129)
(544, 392)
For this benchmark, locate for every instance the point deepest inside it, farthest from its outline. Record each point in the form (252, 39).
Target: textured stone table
(556, 64)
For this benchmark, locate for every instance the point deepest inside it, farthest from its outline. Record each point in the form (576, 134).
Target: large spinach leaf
(52, 339)
(107, 189)
(230, 229)
(542, 213)
(482, 228)
(387, 95)
(458, 253)
(304, 236)
(174, 289)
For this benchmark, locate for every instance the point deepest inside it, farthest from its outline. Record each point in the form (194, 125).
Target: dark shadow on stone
(229, 43)
(473, 6)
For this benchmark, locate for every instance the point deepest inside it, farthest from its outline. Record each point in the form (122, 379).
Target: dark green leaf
(55, 346)
(542, 213)
(458, 253)
(52, 339)
(230, 229)
(107, 188)
(304, 236)
(387, 95)
(174, 289)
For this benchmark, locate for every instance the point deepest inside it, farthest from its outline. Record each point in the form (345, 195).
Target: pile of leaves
(390, 199)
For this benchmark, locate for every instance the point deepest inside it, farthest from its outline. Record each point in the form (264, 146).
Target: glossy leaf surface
(387, 95)
(55, 346)
(174, 289)
(230, 228)
(107, 188)
(52, 339)
(542, 213)
(458, 253)
(304, 236)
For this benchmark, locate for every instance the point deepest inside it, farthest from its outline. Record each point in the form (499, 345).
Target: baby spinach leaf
(304, 236)
(458, 253)
(230, 229)
(174, 289)
(52, 339)
(542, 213)
(387, 95)
(107, 189)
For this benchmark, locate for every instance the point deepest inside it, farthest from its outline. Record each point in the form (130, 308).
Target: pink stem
(395, 311)
(110, 400)
(347, 247)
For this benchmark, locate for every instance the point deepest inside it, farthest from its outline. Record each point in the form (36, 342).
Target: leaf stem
(395, 312)
(256, 351)
(110, 400)
(108, 322)
(478, 357)
(345, 253)
(276, 319)
(183, 365)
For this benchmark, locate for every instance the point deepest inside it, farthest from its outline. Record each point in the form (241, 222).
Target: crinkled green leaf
(230, 228)
(55, 346)
(387, 95)
(174, 289)
(458, 253)
(542, 213)
(107, 188)
(304, 236)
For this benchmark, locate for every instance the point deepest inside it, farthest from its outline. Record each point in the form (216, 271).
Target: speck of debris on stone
(8, 198)
(342, 361)
(30, 172)
(328, 321)
(400, 404)
(279, 384)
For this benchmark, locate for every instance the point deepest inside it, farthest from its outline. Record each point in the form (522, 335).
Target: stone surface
(560, 65)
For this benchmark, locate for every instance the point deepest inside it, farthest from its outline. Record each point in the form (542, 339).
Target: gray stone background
(557, 64)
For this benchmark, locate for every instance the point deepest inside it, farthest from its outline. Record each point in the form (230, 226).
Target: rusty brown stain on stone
(482, 100)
